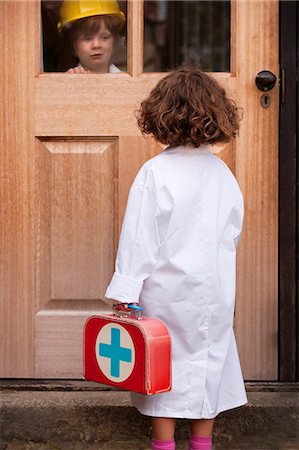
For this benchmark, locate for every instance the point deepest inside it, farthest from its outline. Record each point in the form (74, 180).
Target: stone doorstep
(32, 384)
(104, 420)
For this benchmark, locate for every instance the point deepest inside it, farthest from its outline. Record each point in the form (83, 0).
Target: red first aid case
(130, 354)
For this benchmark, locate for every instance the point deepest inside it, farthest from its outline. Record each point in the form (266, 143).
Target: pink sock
(200, 442)
(163, 445)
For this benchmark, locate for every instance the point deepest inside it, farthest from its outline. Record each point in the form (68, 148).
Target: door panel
(80, 215)
(256, 40)
(17, 229)
(68, 162)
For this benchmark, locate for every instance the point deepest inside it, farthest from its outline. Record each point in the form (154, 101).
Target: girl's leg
(202, 427)
(201, 434)
(163, 433)
(163, 428)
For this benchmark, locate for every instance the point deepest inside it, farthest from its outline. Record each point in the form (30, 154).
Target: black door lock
(265, 80)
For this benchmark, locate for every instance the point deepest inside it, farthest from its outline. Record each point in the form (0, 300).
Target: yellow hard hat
(78, 9)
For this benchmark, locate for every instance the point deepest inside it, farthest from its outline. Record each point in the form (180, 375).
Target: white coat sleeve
(138, 248)
(238, 222)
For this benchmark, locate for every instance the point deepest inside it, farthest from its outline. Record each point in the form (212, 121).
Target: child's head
(189, 107)
(93, 31)
(93, 40)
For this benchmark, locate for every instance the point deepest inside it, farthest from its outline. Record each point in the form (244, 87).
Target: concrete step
(64, 417)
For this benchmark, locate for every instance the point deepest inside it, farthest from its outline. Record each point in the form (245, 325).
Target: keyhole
(265, 100)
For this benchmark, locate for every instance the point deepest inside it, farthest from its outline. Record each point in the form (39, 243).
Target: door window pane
(186, 32)
(57, 50)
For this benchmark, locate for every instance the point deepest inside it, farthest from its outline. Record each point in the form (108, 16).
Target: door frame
(33, 101)
(288, 192)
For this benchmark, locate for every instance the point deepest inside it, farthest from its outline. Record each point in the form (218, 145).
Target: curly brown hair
(188, 106)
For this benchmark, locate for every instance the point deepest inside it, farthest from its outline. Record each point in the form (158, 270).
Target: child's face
(94, 50)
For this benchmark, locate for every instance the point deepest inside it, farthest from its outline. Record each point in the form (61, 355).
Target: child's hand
(121, 307)
(79, 69)
(129, 310)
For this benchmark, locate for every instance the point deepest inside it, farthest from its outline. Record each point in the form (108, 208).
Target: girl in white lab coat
(177, 253)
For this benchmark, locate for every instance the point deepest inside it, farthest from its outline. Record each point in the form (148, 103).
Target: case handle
(127, 310)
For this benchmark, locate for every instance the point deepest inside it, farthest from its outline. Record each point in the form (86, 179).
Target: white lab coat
(177, 257)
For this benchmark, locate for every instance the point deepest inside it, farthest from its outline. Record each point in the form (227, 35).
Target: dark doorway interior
(288, 192)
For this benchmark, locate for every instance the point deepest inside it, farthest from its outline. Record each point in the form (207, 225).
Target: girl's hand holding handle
(121, 307)
(127, 310)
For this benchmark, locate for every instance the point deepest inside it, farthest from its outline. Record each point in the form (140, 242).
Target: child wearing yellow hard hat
(92, 27)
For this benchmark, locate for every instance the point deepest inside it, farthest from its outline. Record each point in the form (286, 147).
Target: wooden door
(70, 149)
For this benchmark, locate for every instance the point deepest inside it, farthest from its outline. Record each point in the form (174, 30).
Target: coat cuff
(124, 289)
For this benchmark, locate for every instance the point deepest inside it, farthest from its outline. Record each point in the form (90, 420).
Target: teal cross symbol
(115, 352)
